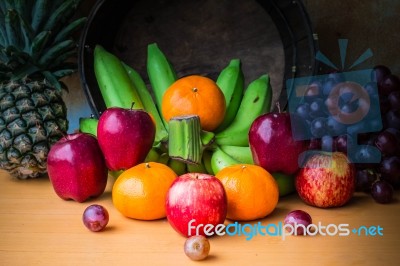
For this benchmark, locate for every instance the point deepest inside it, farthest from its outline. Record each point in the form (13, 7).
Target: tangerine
(251, 191)
(140, 191)
(195, 95)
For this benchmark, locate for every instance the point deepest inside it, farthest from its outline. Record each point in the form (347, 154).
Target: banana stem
(187, 140)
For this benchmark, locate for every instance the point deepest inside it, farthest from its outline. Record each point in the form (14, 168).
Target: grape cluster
(337, 115)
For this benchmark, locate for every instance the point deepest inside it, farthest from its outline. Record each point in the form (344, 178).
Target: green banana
(179, 167)
(231, 82)
(256, 101)
(196, 168)
(164, 158)
(115, 85)
(88, 125)
(161, 74)
(240, 153)
(153, 155)
(220, 160)
(148, 104)
(206, 160)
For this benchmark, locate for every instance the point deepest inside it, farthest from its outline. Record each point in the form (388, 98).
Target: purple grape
(327, 143)
(303, 111)
(336, 76)
(335, 128)
(389, 84)
(366, 156)
(197, 247)
(394, 100)
(318, 127)
(387, 142)
(328, 85)
(298, 217)
(343, 143)
(317, 108)
(382, 192)
(384, 104)
(95, 217)
(371, 88)
(313, 90)
(379, 72)
(393, 119)
(364, 179)
(390, 170)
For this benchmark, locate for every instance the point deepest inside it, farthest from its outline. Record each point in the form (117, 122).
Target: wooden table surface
(38, 228)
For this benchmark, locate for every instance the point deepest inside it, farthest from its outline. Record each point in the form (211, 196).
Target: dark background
(367, 24)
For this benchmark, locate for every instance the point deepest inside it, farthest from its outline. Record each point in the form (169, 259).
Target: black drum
(201, 37)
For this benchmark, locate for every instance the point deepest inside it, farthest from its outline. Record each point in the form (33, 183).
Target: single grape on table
(197, 247)
(95, 217)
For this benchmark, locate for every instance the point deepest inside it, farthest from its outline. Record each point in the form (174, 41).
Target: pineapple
(35, 45)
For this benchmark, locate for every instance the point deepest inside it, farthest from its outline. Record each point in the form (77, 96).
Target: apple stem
(133, 103)
(278, 105)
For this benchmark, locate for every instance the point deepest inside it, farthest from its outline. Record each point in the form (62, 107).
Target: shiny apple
(196, 203)
(326, 180)
(272, 144)
(76, 167)
(125, 137)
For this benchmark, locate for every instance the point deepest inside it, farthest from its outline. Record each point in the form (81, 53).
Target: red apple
(326, 180)
(125, 137)
(272, 144)
(76, 167)
(196, 203)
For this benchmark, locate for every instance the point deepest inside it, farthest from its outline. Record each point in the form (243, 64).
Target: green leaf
(52, 80)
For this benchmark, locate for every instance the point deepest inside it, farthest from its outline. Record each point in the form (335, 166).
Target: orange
(195, 95)
(252, 192)
(140, 191)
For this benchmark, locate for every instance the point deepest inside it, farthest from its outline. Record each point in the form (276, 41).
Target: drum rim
(277, 9)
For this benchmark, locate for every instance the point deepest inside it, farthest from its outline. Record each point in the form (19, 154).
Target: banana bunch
(120, 85)
(244, 106)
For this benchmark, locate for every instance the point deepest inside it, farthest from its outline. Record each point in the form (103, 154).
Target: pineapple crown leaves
(36, 39)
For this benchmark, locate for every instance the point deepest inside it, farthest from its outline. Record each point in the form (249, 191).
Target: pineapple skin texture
(33, 116)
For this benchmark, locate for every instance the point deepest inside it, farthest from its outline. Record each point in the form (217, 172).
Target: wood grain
(38, 228)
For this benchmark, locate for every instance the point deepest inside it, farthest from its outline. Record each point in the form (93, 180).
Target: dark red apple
(76, 167)
(125, 137)
(326, 180)
(272, 144)
(196, 204)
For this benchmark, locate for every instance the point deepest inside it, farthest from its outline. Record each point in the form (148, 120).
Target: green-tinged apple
(196, 204)
(76, 167)
(285, 183)
(326, 180)
(125, 137)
